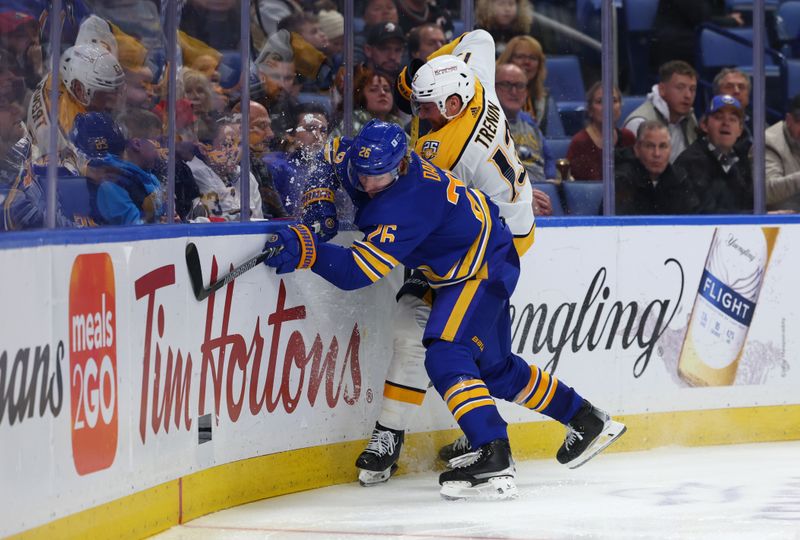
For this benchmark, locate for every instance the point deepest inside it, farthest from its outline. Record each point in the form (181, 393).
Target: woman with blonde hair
(504, 19)
(526, 52)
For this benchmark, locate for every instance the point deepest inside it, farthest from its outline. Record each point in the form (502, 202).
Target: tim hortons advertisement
(114, 378)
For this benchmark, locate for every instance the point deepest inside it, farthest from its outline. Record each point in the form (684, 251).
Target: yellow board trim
(158, 508)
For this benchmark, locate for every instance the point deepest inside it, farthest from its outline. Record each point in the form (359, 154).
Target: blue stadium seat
(638, 18)
(458, 27)
(554, 127)
(564, 78)
(555, 197)
(719, 48)
(747, 5)
(629, 104)
(583, 197)
(788, 27)
(558, 146)
(565, 83)
(73, 195)
(791, 77)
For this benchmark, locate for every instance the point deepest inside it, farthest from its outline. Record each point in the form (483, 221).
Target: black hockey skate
(378, 461)
(487, 474)
(588, 434)
(459, 447)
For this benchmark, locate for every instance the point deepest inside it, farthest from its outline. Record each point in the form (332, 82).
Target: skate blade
(611, 432)
(373, 478)
(495, 489)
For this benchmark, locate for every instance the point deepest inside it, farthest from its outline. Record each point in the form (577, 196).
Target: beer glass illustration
(725, 303)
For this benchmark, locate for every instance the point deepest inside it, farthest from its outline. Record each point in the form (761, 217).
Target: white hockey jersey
(477, 145)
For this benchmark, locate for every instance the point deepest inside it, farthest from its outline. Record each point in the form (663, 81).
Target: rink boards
(126, 406)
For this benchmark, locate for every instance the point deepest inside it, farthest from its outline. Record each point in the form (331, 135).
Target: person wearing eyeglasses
(527, 53)
(303, 144)
(510, 84)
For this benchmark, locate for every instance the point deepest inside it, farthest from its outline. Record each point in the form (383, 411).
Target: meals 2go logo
(93, 362)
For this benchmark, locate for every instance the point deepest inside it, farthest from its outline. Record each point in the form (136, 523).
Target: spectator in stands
(302, 159)
(372, 98)
(675, 28)
(782, 149)
(196, 88)
(140, 92)
(510, 84)
(332, 24)
(92, 79)
(380, 11)
(424, 40)
(646, 182)
(385, 48)
(527, 53)
(270, 12)
(307, 25)
(214, 22)
(722, 177)
(122, 189)
(671, 101)
(277, 74)
(412, 13)
(308, 44)
(504, 19)
(146, 127)
(19, 35)
(585, 152)
(736, 83)
(260, 135)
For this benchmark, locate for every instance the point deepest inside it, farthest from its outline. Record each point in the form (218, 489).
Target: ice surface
(710, 493)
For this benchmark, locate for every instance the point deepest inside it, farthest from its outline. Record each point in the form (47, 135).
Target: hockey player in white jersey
(454, 91)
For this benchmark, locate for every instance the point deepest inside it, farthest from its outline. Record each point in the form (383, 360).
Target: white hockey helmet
(94, 67)
(97, 31)
(440, 78)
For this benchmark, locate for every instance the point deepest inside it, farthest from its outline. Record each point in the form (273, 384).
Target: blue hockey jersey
(428, 219)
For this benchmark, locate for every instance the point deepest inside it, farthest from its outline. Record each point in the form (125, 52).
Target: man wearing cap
(721, 175)
(782, 153)
(384, 49)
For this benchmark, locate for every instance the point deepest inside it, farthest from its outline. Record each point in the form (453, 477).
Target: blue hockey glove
(299, 249)
(319, 212)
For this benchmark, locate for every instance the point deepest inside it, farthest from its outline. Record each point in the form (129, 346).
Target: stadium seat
(788, 27)
(73, 195)
(582, 197)
(564, 81)
(555, 197)
(629, 104)
(554, 127)
(791, 77)
(558, 146)
(638, 18)
(458, 27)
(719, 48)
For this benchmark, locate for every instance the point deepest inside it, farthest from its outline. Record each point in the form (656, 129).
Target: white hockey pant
(406, 380)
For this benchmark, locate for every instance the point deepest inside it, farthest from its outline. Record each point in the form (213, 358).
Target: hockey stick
(196, 271)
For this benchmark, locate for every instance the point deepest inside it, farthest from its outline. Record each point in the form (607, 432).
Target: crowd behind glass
(685, 149)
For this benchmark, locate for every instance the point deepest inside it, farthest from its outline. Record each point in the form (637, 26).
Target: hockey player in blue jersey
(414, 213)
